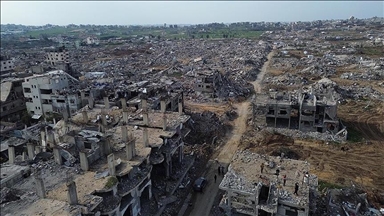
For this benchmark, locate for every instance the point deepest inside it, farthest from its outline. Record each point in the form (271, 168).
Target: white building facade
(43, 91)
(92, 40)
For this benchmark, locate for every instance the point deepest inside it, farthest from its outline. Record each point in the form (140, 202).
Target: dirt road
(203, 202)
(260, 76)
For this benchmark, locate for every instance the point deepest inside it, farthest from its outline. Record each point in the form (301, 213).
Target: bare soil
(202, 203)
(358, 163)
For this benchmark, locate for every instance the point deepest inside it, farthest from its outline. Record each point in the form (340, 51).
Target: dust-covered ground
(355, 162)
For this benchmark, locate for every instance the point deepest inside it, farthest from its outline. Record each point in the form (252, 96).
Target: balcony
(125, 202)
(109, 204)
(156, 157)
(171, 146)
(132, 180)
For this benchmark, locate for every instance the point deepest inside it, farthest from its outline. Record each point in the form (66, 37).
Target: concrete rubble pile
(237, 182)
(359, 92)
(175, 62)
(327, 136)
(369, 75)
(349, 201)
(319, 70)
(9, 195)
(250, 188)
(297, 72)
(286, 80)
(206, 127)
(284, 62)
(228, 86)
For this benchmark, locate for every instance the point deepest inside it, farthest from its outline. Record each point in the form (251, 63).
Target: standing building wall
(307, 112)
(6, 64)
(12, 101)
(40, 91)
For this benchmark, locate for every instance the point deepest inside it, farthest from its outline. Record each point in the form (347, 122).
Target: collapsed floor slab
(256, 189)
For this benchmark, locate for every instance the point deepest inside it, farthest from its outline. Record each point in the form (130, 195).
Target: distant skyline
(181, 12)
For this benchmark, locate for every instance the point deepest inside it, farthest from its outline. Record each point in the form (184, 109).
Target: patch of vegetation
(215, 31)
(371, 51)
(25, 118)
(15, 43)
(50, 31)
(354, 135)
(107, 37)
(176, 74)
(324, 184)
(111, 182)
(227, 33)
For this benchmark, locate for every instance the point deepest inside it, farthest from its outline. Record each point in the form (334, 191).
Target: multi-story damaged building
(305, 111)
(118, 149)
(168, 102)
(205, 82)
(254, 185)
(6, 64)
(12, 100)
(57, 56)
(50, 92)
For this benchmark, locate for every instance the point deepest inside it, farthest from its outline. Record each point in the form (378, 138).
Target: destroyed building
(205, 82)
(6, 64)
(118, 150)
(58, 59)
(252, 191)
(167, 102)
(50, 92)
(349, 201)
(12, 100)
(305, 110)
(57, 56)
(92, 41)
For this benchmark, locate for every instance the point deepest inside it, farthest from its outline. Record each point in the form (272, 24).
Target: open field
(169, 33)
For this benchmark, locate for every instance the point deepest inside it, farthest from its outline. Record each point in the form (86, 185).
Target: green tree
(25, 118)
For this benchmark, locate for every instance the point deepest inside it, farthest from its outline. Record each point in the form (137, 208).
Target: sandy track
(203, 202)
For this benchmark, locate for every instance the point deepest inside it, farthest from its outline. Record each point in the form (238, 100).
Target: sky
(181, 12)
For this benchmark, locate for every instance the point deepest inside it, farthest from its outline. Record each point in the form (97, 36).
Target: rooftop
(12, 141)
(155, 120)
(51, 207)
(52, 74)
(86, 184)
(154, 136)
(8, 171)
(244, 173)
